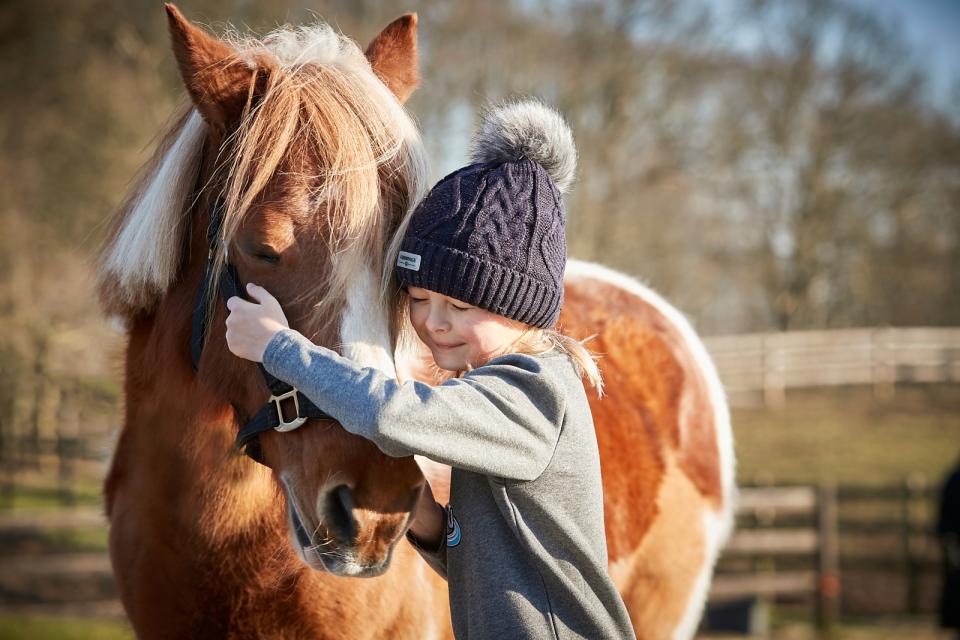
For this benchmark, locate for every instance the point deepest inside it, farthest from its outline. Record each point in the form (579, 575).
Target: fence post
(911, 491)
(66, 448)
(8, 459)
(774, 387)
(884, 367)
(39, 396)
(828, 585)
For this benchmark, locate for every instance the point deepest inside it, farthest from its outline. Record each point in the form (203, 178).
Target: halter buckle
(284, 425)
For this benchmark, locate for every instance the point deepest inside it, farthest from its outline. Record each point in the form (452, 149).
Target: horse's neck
(178, 450)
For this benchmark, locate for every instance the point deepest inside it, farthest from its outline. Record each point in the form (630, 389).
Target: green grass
(17, 627)
(847, 436)
(85, 493)
(75, 540)
(786, 625)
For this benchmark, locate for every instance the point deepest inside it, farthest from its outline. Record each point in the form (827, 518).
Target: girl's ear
(393, 56)
(218, 80)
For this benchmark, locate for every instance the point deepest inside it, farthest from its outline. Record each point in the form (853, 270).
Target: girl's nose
(437, 321)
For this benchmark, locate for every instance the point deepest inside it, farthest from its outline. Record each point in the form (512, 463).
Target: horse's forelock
(370, 170)
(321, 95)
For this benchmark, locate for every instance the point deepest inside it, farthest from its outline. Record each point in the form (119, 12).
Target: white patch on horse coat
(146, 252)
(716, 530)
(364, 327)
(718, 525)
(108, 449)
(117, 323)
(432, 629)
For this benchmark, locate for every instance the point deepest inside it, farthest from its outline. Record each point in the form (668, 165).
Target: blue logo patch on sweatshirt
(453, 528)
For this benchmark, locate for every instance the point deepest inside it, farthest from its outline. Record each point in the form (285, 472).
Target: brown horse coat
(200, 539)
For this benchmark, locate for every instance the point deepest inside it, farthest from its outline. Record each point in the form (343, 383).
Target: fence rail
(795, 542)
(812, 542)
(762, 366)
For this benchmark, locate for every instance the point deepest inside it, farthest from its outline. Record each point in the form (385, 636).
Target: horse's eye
(270, 258)
(259, 251)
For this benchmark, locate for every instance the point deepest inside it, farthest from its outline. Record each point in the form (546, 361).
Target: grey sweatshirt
(525, 554)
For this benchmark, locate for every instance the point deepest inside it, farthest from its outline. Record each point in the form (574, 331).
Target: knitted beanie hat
(492, 233)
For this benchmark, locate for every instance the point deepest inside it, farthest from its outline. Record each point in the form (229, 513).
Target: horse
(294, 165)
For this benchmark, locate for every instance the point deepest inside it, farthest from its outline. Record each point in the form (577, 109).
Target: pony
(300, 139)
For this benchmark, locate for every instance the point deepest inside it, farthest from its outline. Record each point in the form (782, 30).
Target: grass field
(845, 435)
(17, 627)
(28, 628)
(36, 490)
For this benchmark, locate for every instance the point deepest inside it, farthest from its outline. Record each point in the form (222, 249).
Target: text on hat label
(408, 261)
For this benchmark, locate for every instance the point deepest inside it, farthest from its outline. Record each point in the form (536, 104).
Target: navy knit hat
(492, 233)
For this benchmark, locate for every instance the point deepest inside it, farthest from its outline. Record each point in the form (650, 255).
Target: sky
(932, 27)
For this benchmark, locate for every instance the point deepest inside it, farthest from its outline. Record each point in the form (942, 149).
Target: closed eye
(460, 308)
(270, 258)
(259, 251)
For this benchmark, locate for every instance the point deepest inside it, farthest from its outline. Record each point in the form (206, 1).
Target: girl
(482, 262)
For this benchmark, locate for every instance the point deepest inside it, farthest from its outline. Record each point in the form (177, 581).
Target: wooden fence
(853, 549)
(806, 545)
(762, 366)
(813, 535)
(40, 409)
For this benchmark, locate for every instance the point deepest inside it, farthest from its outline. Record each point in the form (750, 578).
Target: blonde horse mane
(321, 95)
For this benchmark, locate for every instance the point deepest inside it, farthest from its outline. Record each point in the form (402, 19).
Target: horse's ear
(393, 56)
(217, 79)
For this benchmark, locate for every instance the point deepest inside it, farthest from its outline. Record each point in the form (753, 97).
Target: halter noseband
(270, 416)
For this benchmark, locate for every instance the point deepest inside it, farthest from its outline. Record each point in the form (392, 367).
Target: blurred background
(786, 172)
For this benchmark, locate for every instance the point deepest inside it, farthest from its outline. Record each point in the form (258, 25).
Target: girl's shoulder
(543, 357)
(552, 363)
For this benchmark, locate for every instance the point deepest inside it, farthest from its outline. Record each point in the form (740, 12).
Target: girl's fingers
(262, 296)
(235, 302)
(258, 293)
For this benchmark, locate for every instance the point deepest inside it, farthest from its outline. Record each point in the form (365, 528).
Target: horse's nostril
(339, 514)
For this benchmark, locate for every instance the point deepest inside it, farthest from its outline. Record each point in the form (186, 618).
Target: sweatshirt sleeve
(435, 558)
(502, 419)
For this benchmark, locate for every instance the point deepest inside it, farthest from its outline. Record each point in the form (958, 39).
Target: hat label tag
(408, 261)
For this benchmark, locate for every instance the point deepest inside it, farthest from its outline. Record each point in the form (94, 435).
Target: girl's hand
(251, 325)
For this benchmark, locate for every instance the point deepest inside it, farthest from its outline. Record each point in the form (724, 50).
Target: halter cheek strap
(271, 415)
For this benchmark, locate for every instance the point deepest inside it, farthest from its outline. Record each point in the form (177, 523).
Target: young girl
(522, 541)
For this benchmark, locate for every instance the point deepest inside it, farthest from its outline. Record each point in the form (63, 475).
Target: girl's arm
(502, 419)
(428, 529)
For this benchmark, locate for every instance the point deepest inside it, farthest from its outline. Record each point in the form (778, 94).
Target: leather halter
(271, 415)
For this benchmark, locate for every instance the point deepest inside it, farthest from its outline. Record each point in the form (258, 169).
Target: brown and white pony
(305, 138)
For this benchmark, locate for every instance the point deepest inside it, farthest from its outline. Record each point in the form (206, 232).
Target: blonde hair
(536, 341)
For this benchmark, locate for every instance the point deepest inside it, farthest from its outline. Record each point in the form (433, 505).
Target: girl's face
(460, 335)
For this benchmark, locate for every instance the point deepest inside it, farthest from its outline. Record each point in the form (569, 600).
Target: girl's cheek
(416, 314)
(487, 336)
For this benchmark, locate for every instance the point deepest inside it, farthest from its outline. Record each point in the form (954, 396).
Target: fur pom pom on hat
(530, 130)
(492, 233)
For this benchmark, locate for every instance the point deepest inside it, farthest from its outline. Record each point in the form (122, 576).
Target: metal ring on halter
(283, 425)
